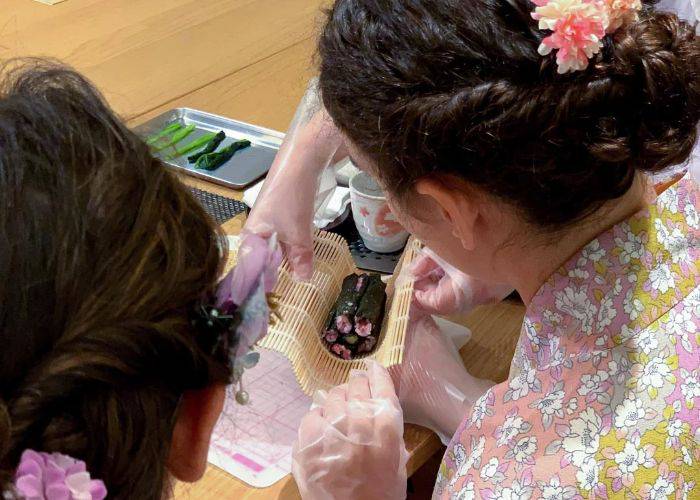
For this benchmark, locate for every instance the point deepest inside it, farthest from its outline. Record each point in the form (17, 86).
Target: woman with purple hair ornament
(119, 338)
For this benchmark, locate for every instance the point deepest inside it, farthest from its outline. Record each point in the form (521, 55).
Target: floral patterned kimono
(603, 399)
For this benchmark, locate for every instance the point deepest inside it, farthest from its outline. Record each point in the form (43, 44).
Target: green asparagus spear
(195, 144)
(211, 146)
(177, 137)
(212, 161)
(173, 127)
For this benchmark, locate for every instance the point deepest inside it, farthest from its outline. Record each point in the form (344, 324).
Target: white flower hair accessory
(578, 27)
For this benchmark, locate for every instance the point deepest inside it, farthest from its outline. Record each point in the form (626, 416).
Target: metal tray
(246, 166)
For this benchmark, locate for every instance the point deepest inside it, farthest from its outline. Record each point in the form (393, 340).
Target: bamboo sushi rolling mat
(246, 59)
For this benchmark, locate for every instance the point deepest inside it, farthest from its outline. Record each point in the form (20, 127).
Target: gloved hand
(287, 201)
(350, 444)
(440, 288)
(249, 283)
(434, 387)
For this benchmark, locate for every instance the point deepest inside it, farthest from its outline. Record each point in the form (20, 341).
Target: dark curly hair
(457, 87)
(103, 255)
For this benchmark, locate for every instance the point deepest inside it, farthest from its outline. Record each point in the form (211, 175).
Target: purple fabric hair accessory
(244, 291)
(247, 286)
(53, 476)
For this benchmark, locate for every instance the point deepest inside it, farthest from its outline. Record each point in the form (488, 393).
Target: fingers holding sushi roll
(351, 444)
(440, 288)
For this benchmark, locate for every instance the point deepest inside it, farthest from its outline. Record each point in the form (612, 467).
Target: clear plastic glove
(249, 283)
(434, 387)
(442, 289)
(350, 444)
(287, 201)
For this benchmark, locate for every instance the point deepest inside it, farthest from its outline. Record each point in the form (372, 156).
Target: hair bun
(5, 442)
(661, 55)
(5, 428)
(460, 89)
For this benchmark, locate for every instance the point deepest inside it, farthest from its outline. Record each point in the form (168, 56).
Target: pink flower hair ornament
(578, 27)
(53, 476)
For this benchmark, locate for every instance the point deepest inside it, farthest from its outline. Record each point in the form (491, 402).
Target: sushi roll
(346, 306)
(370, 311)
(354, 323)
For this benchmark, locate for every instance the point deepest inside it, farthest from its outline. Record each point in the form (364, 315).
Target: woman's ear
(198, 414)
(457, 208)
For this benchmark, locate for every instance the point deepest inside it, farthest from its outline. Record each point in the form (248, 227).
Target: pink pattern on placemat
(247, 462)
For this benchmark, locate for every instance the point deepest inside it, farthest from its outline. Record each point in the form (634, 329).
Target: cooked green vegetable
(176, 137)
(191, 146)
(212, 161)
(211, 146)
(173, 127)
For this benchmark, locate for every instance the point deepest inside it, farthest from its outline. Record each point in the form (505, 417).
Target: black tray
(365, 258)
(219, 207)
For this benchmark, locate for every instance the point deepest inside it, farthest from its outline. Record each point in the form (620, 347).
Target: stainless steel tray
(246, 166)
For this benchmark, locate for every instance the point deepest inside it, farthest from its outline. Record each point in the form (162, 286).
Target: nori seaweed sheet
(371, 307)
(350, 295)
(361, 297)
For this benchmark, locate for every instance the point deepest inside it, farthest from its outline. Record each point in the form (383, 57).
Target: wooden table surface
(246, 59)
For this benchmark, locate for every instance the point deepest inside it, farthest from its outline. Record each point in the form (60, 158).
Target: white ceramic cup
(378, 227)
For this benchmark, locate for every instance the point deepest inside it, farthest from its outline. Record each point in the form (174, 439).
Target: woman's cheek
(406, 221)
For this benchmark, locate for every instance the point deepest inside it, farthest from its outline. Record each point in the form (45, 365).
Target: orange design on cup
(385, 222)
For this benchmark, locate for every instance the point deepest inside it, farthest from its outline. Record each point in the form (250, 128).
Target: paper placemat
(254, 442)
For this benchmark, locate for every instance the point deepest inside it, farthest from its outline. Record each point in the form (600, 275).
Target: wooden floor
(246, 59)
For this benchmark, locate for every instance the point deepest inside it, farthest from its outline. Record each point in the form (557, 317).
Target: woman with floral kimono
(518, 140)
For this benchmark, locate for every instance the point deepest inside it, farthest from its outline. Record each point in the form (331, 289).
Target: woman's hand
(287, 201)
(434, 387)
(350, 444)
(440, 288)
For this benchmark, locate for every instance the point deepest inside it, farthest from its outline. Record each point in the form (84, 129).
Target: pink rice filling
(363, 327)
(343, 324)
(341, 351)
(367, 345)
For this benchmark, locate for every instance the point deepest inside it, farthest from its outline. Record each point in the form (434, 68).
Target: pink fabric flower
(621, 12)
(577, 33)
(53, 476)
(578, 27)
